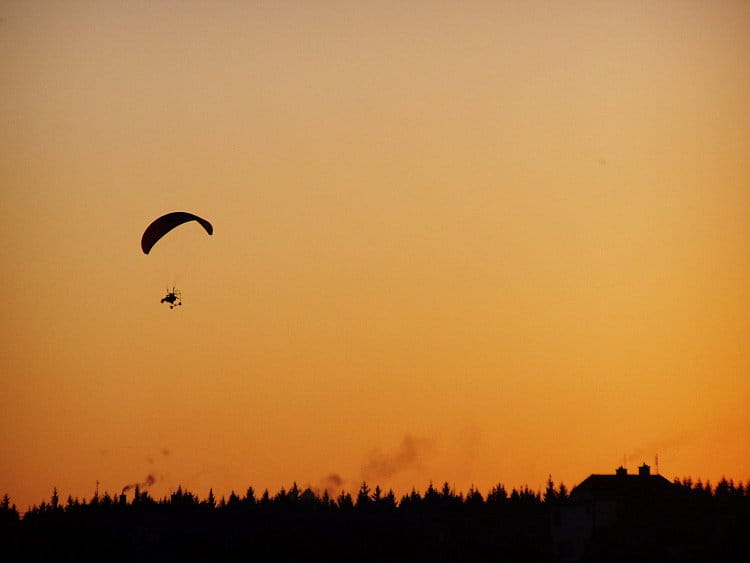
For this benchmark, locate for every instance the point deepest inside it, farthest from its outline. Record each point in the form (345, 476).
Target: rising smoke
(333, 484)
(410, 454)
(648, 452)
(145, 484)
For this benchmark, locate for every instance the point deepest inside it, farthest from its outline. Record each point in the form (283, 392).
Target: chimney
(621, 471)
(644, 470)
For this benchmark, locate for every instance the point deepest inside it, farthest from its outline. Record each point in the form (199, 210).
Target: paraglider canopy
(166, 223)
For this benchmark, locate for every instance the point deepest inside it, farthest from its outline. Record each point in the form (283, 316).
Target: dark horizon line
(336, 494)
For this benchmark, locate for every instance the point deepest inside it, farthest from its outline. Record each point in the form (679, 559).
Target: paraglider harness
(174, 298)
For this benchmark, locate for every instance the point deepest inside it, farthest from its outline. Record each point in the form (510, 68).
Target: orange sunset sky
(473, 242)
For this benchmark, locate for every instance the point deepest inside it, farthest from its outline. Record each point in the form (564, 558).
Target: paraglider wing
(166, 223)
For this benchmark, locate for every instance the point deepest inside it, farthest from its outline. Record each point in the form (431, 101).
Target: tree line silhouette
(371, 525)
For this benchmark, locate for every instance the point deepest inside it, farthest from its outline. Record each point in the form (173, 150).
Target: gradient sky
(473, 242)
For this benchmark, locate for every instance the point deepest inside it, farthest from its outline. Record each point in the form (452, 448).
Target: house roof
(613, 487)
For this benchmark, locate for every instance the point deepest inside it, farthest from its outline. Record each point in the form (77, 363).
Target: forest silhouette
(696, 522)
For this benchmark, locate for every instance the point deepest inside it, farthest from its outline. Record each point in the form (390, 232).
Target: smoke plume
(150, 480)
(381, 466)
(650, 450)
(332, 483)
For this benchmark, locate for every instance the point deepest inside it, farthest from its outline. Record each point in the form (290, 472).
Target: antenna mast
(657, 464)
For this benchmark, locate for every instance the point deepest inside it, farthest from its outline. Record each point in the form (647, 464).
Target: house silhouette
(604, 511)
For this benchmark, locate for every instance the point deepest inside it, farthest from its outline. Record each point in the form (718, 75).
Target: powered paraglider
(160, 227)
